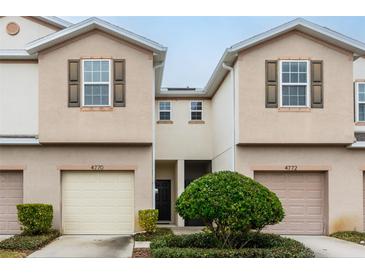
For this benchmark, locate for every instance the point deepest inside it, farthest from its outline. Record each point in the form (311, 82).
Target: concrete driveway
(328, 247)
(87, 246)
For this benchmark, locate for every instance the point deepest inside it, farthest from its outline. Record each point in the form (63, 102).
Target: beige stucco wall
(181, 139)
(43, 165)
(223, 125)
(30, 30)
(18, 98)
(345, 176)
(166, 170)
(332, 124)
(130, 124)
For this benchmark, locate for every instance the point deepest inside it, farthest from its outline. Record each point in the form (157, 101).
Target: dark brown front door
(163, 199)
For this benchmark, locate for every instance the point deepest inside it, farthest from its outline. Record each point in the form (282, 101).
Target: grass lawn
(20, 246)
(351, 236)
(144, 236)
(12, 254)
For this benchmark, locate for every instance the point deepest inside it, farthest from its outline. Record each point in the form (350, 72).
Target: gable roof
(159, 51)
(325, 34)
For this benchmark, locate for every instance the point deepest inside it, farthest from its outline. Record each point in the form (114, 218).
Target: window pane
(285, 67)
(87, 76)
(105, 65)
(285, 77)
(294, 78)
(96, 65)
(165, 106)
(96, 94)
(96, 76)
(196, 105)
(294, 66)
(105, 76)
(361, 112)
(88, 65)
(164, 115)
(294, 96)
(302, 78)
(196, 115)
(362, 92)
(303, 67)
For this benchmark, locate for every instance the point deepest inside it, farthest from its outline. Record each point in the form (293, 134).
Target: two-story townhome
(86, 126)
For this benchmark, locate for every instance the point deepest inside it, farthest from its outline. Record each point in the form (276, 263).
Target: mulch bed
(141, 253)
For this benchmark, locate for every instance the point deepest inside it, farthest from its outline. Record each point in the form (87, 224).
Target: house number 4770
(97, 167)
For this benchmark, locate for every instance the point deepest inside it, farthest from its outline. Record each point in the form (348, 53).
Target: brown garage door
(11, 194)
(302, 195)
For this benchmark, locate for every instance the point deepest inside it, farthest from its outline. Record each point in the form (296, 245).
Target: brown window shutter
(119, 83)
(73, 83)
(317, 84)
(271, 72)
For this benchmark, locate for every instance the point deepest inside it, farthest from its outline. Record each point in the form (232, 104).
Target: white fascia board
(357, 145)
(90, 24)
(13, 54)
(19, 141)
(56, 21)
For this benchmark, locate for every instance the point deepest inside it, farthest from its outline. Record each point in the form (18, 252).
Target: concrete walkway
(4, 237)
(87, 246)
(328, 247)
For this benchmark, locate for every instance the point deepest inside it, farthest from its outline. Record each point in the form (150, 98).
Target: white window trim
(104, 83)
(191, 110)
(357, 102)
(159, 110)
(308, 84)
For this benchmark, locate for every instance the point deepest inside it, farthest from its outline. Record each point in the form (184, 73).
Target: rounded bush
(147, 219)
(35, 219)
(229, 203)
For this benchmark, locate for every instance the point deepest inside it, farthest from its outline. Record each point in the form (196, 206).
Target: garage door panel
(11, 194)
(302, 197)
(98, 202)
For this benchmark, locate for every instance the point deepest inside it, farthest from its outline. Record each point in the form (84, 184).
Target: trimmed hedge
(352, 236)
(147, 219)
(26, 242)
(35, 219)
(205, 245)
(149, 236)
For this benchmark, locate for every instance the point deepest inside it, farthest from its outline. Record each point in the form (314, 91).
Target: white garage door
(11, 194)
(302, 195)
(97, 202)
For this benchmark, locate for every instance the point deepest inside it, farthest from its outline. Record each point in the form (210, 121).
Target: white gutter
(360, 144)
(18, 141)
(154, 136)
(231, 69)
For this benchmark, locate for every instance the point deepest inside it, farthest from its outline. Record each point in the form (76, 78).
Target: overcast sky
(195, 44)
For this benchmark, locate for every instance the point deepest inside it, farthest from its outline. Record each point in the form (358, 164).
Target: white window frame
(357, 101)
(159, 110)
(191, 110)
(83, 83)
(307, 84)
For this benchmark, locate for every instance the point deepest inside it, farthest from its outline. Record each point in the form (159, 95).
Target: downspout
(154, 136)
(231, 69)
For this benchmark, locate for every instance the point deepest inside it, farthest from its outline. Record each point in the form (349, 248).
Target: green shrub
(149, 236)
(148, 219)
(352, 236)
(205, 245)
(230, 204)
(27, 242)
(35, 219)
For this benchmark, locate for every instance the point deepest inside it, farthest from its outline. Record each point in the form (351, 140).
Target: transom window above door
(294, 83)
(96, 82)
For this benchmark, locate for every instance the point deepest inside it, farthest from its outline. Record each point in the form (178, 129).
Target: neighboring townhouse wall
(331, 124)
(129, 124)
(359, 69)
(18, 98)
(30, 30)
(223, 126)
(183, 139)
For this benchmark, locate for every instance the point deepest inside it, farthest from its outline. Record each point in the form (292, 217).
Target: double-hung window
(165, 111)
(96, 82)
(360, 101)
(294, 83)
(196, 110)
